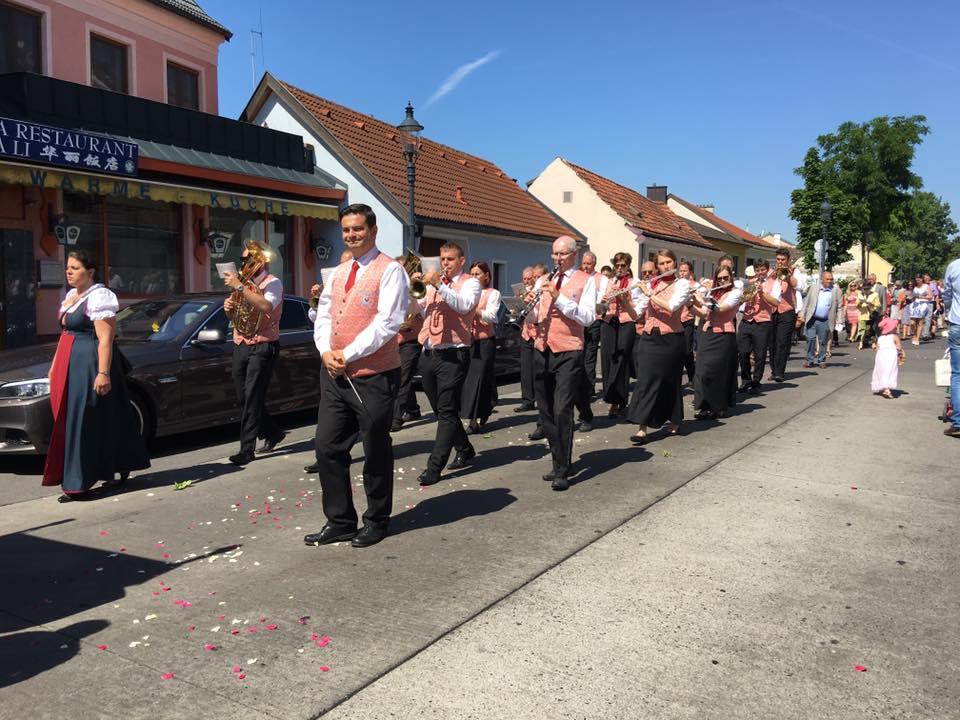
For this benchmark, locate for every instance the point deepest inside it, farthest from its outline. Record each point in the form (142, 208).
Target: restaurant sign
(24, 140)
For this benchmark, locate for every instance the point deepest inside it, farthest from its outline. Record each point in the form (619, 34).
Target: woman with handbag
(94, 431)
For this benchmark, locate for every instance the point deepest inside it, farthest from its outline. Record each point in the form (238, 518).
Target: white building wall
(390, 227)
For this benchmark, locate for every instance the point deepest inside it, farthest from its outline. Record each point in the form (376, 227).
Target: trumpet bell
(418, 289)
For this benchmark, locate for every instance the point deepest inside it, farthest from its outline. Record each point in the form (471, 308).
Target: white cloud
(458, 75)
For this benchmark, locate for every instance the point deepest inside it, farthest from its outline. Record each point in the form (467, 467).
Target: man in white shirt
(591, 334)
(358, 316)
(254, 356)
(448, 309)
(567, 305)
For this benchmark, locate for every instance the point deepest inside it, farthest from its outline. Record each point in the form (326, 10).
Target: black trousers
(753, 338)
(442, 373)
(616, 345)
(689, 339)
(782, 339)
(341, 419)
(406, 395)
(252, 368)
(527, 394)
(557, 382)
(584, 392)
(591, 346)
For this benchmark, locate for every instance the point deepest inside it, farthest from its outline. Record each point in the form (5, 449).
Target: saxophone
(245, 317)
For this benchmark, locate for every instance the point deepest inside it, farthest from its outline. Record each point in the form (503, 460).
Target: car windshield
(159, 320)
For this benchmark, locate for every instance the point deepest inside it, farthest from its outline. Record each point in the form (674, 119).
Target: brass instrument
(604, 305)
(784, 273)
(751, 290)
(418, 289)
(527, 307)
(245, 317)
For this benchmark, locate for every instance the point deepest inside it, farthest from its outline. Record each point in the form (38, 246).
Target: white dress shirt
(682, 290)
(488, 313)
(272, 291)
(732, 299)
(462, 302)
(583, 311)
(392, 303)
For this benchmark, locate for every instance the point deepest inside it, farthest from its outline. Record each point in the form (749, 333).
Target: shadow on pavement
(597, 462)
(27, 654)
(160, 478)
(451, 507)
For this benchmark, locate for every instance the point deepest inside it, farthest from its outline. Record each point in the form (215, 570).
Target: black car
(180, 350)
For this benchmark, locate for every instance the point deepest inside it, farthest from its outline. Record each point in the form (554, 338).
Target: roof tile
(725, 225)
(452, 186)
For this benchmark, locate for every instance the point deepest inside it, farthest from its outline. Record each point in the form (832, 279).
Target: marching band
(381, 320)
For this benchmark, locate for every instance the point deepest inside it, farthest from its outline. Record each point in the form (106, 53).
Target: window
(183, 87)
(20, 49)
(568, 196)
(239, 226)
(294, 317)
(108, 65)
(499, 279)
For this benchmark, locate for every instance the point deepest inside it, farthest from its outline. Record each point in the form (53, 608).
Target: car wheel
(142, 415)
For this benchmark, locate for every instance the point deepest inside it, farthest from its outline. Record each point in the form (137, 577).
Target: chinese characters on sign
(83, 151)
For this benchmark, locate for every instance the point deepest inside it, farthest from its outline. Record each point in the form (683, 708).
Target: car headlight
(25, 389)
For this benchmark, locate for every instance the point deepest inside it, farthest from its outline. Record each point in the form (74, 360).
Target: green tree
(864, 171)
(921, 237)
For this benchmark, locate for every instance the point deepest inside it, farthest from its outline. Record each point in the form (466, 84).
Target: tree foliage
(922, 237)
(864, 171)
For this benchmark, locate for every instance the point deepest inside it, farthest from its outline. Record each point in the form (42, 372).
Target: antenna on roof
(253, 52)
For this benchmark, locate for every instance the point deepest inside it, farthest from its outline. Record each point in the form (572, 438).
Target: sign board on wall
(24, 140)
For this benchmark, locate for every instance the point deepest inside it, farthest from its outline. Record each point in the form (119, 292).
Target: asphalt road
(730, 572)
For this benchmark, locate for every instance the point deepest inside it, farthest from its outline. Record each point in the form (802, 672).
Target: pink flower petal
(303, 620)
(102, 647)
(221, 617)
(166, 556)
(272, 626)
(234, 632)
(240, 676)
(324, 668)
(854, 487)
(167, 676)
(324, 641)
(860, 668)
(209, 648)
(103, 533)
(191, 628)
(251, 629)
(122, 549)
(236, 669)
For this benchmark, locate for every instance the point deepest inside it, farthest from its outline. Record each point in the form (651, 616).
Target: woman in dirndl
(715, 381)
(479, 392)
(659, 351)
(95, 432)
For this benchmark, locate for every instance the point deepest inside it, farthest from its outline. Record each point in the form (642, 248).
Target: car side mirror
(209, 336)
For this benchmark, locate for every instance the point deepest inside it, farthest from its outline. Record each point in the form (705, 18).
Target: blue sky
(718, 101)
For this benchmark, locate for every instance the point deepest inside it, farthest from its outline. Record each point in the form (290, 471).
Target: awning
(111, 186)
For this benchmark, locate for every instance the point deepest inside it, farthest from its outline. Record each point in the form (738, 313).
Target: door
(206, 379)
(18, 308)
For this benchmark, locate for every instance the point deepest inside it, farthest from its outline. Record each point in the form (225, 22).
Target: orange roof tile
(451, 186)
(725, 225)
(651, 217)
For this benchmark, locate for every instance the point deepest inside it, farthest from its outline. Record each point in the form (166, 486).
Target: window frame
(125, 42)
(42, 13)
(183, 64)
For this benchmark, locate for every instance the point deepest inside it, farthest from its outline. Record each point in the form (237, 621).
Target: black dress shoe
(745, 387)
(313, 469)
(329, 535)
(397, 426)
(408, 416)
(778, 378)
(537, 434)
(269, 445)
(524, 407)
(560, 483)
(755, 388)
(586, 426)
(550, 476)
(369, 535)
(462, 459)
(428, 478)
(241, 458)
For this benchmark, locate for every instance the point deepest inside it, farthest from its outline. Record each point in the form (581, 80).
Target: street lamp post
(410, 130)
(865, 253)
(825, 212)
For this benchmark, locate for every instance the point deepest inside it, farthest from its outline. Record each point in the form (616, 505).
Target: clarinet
(527, 307)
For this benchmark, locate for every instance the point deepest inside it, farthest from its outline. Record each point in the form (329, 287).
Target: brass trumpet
(784, 273)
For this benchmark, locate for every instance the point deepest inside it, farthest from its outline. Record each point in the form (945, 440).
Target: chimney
(657, 193)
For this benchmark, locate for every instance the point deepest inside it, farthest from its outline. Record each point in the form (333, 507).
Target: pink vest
(412, 333)
(657, 317)
(483, 330)
(270, 325)
(758, 309)
(723, 321)
(555, 330)
(351, 312)
(788, 297)
(616, 305)
(443, 325)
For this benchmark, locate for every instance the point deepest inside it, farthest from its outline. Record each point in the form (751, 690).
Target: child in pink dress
(886, 364)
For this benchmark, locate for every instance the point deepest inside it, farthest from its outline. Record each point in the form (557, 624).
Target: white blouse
(101, 303)
(489, 312)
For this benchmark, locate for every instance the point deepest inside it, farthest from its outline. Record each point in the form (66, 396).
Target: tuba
(245, 317)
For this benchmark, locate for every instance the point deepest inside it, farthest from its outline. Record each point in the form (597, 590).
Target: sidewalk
(494, 596)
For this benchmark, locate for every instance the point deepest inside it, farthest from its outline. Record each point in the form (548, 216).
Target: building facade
(123, 157)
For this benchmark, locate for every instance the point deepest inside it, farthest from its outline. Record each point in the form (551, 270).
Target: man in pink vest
(568, 303)
(253, 361)
(784, 320)
(753, 332)
(358, 316)
(448, 309)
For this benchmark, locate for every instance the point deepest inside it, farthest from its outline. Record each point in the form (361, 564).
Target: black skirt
(715, 381)
(658, 395)
(480, 387)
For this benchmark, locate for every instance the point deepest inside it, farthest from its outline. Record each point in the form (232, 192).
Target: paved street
(746, 569)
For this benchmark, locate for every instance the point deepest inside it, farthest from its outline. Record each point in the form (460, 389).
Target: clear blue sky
(717, 100)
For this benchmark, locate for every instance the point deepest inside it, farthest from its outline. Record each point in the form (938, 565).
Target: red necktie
(445, 280)
(559, 280)
(352, 277)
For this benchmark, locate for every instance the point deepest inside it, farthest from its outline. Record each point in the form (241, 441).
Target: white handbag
(941, 370)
